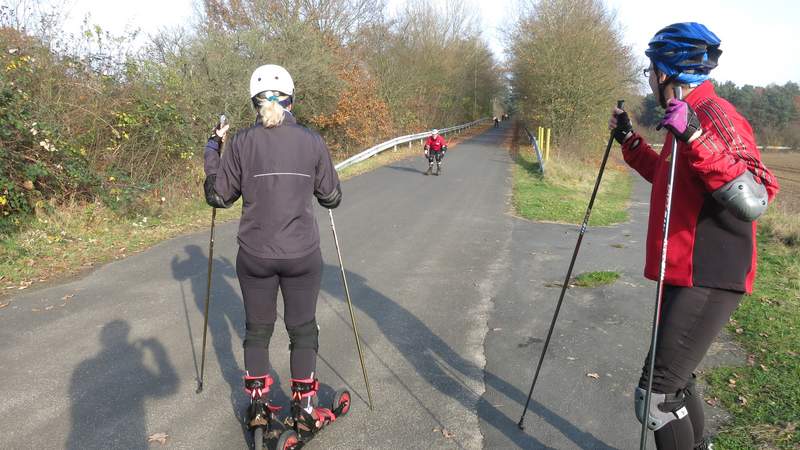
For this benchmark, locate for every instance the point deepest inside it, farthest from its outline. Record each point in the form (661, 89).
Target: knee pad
(258, 334)
(664, 408)
(305, 336)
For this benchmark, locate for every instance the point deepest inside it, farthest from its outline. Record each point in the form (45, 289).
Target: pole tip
(199, 388)
(520, 425)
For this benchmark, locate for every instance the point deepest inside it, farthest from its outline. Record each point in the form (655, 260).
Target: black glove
(623, 127)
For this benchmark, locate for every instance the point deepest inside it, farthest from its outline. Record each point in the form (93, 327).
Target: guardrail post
(547, 147)
(395, 148)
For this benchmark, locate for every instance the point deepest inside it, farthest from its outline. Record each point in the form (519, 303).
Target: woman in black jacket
(276, 166)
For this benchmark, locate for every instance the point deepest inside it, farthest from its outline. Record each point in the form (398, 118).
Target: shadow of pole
(428, 353)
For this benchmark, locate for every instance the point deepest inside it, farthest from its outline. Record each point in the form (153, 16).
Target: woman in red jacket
(720, 187)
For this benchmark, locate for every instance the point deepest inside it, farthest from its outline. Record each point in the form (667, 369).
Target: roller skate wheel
(342, 397)
(287, 441)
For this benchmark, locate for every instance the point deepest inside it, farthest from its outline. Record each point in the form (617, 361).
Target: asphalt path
(453, 297)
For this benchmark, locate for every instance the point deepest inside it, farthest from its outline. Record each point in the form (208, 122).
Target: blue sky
(760, 40)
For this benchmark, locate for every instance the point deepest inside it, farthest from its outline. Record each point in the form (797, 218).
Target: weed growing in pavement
(595, 279)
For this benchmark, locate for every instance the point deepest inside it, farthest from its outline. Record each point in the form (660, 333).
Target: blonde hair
(270, 110)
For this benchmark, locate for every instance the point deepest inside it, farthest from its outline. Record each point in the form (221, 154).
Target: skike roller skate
(306, 420)
(260, 414)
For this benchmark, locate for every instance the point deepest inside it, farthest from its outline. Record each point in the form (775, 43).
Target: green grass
(76, 237)
(562, 195)
(764, 395)
(595, 279)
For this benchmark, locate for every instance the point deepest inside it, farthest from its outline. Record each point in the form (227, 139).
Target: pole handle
(620, 103)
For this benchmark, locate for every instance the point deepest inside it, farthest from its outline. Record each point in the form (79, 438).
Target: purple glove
(680, 119)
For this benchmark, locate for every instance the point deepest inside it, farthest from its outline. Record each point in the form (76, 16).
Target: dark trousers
(435, 155)
(691, 318)
(299, 280)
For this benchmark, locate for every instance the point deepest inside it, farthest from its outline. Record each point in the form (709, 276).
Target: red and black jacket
(708, 246)
(436, 143)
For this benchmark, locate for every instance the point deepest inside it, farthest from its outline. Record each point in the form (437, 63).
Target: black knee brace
(258, 334)
(304, 336)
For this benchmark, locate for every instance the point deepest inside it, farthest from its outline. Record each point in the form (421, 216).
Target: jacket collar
(704, 90)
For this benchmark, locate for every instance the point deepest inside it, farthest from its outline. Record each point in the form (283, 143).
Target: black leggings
(435, 155)
(299, 280)
(691, 318)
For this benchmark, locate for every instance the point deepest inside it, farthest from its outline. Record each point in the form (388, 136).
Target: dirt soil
(786, 166)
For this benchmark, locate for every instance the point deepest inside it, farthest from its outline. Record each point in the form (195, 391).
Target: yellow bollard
(540, 138)
(547, 146)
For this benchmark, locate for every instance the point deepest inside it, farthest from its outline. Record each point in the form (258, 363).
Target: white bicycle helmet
(271, 77)
(435, 131)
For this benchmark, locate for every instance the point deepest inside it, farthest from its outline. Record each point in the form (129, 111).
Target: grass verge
(595, 279)
(764, 395)
(563, 194)
(75, 238)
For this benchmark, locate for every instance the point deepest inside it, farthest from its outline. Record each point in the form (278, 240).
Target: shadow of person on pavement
(442, 367)
(108, 391)
(407, 168)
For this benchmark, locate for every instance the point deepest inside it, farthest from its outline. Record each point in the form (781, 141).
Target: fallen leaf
(435, 430)
(711, 401)
(28, 185)
(3, 305)
(161, 438)
(751, 360)
(742, 400)
(739, 330)
(763, 367)
(764, 335)
(447, 434)
(593, 375)
(571, 358)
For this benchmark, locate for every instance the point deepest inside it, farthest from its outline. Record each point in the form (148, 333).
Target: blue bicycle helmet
(685, 52)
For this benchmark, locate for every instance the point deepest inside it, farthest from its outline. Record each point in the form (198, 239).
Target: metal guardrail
(393, 143)
(535, 144)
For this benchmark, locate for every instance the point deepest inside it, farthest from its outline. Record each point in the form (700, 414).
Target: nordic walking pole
(660, 288)
(350, 307)
(222, 120)
(564, 286)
